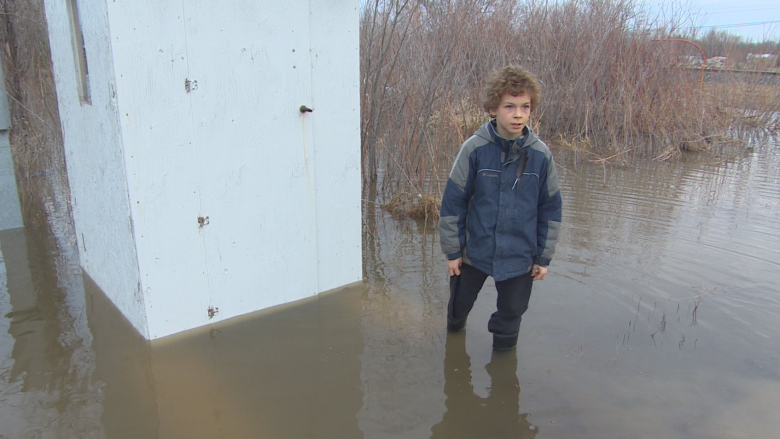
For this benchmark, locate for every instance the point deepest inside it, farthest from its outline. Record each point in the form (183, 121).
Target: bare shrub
(35, 135)
(608, 87)
(420, 69)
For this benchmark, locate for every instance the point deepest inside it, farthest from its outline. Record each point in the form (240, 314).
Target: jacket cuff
(453, 256)
(538, 260)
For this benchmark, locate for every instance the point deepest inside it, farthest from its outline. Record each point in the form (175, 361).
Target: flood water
(660, 318)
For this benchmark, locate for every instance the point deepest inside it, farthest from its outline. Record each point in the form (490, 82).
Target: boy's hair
(514, 80)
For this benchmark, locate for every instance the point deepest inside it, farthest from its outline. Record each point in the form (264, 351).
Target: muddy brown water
(660, 318)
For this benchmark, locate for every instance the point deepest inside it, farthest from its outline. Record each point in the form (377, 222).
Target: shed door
(249, 67)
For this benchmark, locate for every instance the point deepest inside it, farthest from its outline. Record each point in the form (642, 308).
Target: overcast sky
(758, 20)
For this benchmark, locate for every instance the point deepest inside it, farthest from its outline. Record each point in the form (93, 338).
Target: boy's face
(511, 115)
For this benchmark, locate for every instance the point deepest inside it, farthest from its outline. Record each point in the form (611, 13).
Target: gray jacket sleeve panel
(553, 228)
(454, 205)
(459, 173)
(552, 178)
(549, 214)
(449, 237)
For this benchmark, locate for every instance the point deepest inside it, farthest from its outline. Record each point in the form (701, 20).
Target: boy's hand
(453, 266)
(539, 272)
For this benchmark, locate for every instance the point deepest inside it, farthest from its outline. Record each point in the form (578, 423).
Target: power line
(729, 11)
(756, 23)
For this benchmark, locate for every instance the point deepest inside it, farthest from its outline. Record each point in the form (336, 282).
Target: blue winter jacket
(501, 209)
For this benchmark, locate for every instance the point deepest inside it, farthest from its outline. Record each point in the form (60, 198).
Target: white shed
(201, 189)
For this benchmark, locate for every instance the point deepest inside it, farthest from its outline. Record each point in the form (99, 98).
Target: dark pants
(512, 302)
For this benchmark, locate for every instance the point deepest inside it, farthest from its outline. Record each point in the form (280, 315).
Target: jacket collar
(489, 132)
(506, 143)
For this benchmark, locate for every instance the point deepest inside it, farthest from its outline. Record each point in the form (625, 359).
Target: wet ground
(660, 318)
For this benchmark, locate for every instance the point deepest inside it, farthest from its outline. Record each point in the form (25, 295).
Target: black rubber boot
(504, 342)
(455, 327)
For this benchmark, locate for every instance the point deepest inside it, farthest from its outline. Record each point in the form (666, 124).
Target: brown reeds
(415, 206)
(608, 88)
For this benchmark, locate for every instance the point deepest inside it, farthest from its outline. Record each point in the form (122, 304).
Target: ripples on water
(662, 310)
(711, 227)
(660, 318)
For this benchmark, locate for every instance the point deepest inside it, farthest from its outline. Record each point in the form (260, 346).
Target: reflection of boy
(501, 209)
(471, 416)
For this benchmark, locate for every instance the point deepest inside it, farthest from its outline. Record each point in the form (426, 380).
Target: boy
(501, 209)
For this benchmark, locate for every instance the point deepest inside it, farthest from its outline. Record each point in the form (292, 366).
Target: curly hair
(513, 80)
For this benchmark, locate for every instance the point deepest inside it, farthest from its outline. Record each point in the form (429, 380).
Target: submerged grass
(415, 206)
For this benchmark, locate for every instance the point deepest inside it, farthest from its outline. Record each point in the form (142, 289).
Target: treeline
(610, 88)
(736, 49)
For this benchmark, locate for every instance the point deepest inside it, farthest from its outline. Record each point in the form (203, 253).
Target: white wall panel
(10, 209)
(10, 212)
(335, 42)
(255, 150)
(93, 151)
(281, 189)
(151, 65)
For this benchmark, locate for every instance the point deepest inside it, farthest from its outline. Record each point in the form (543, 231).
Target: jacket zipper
(521, 166)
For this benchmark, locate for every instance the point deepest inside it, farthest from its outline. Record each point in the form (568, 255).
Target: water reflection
(659, 318)
(123, 367)
(293, 372)
(471, 416)
(45, 376)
